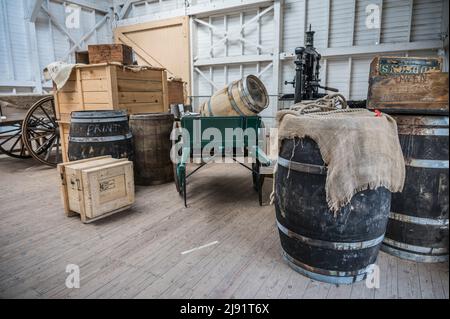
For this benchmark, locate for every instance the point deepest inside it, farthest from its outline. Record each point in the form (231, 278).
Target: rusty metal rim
(328, 244)
(302, 167)
(328, 276)
(418, 220)
(416, 249)
(412, 256)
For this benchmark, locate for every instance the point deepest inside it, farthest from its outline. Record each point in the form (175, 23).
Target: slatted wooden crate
(97, 187)
(110, 86)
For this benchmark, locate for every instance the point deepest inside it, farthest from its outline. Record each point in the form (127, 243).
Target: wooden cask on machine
(152, 147)
(246, 97)
(418, 225)
(338, 250)
(98, 133)
(96, 188)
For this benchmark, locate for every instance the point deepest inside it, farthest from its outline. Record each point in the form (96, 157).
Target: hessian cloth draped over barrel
(360, 148)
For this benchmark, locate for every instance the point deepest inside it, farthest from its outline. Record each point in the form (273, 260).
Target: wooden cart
(33, 133)
(191, 150)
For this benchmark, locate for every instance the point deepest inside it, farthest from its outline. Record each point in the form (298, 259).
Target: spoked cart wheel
(40, 132)
(11, 140)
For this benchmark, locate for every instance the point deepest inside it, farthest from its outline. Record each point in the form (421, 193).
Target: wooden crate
(425, 93)
(176, 91)
(110, 86)
(97, 187)
(104, 53)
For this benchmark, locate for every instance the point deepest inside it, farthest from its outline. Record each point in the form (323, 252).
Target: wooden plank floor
(138, 253)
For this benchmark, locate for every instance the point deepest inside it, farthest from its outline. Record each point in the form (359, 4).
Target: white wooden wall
(408, 27)
(31, 37)
(265, 46)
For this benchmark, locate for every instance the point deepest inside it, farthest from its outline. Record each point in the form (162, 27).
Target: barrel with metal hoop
(337, 249)
(418, 222)
(152, 163)
(98, 133)
(245, 97)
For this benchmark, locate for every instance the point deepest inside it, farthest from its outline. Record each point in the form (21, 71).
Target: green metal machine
(203, 140)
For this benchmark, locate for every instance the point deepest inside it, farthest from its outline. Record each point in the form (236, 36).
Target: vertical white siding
(52, 43)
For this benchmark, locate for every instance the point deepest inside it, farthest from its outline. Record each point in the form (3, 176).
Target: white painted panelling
(396, 15)
(360, 78)
(341, 23)
(427, 20)
(52, 43)
(337, 74)
(363, 34)
(340, 26)
(316, 16)
(19, 42)
(293, 27)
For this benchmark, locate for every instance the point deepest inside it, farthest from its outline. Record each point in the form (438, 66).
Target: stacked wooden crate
(176, 91)
(110, 86)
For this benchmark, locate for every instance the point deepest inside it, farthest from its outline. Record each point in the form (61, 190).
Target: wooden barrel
(418, 222)
(246, 97)
(152, 144)
(338, 250)
(98, 133)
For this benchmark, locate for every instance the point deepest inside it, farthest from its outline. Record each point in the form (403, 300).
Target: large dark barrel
(418, 222)
(152, 164)
(98, 133)
(341, 249)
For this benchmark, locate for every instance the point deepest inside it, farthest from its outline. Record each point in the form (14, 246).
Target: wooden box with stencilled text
(97, 187)
(408, 85)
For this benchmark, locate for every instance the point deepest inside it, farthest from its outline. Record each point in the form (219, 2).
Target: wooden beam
(34, 10)
(59, 26)
(213, 85)
(243, 59)
(34, 56)
(93, 5)
(86, 36)
(198, 10)
(125, 8)
(373, 49)
(352, 32)
(278, 39)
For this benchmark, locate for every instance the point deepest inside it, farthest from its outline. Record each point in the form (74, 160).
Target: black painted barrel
(99, 133)
(338, 250)
(418, 222)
